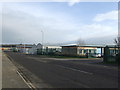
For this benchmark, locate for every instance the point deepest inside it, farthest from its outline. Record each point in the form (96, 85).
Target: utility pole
(42, 39)
(42, 36)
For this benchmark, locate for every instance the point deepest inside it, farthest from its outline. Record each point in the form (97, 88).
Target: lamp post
(42, 36)
(42, 39)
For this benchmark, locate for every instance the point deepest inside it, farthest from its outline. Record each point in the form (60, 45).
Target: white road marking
(30, 85)
(76, 70)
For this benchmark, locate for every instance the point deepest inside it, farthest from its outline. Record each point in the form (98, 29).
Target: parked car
(98, 55)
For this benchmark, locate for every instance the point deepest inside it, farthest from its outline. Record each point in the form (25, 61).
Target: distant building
(76, 50)
(29, 48)
(52, 49)
(7, 47)
(23, 48)
(35, 49)
(32, 50)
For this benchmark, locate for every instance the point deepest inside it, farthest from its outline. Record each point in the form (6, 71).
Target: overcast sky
(94, 22)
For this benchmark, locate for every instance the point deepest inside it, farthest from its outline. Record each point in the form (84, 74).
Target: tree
(117, 41)
(80, 42)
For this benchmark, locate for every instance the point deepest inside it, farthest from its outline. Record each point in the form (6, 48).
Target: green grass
(61, 56)
(110, 62)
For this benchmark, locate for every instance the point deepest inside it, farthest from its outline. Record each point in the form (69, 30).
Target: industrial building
(23, 48)
(82, 50)
(52, 49)
(7, 47)
(29, 48)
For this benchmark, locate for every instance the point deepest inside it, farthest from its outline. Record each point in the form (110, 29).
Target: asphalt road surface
(69, 73)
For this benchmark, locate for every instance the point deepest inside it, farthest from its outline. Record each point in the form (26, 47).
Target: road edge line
(24, 78)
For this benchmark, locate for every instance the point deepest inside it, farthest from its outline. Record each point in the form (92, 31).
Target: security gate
(111, 54)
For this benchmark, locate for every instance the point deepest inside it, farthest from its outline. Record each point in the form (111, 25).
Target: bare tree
(117, 41)
(80, 42)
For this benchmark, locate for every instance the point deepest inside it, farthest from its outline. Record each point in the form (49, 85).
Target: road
(69, 73)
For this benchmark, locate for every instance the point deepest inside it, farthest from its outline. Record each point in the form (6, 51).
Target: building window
(80, 51)
(89, 51)
(85, 51)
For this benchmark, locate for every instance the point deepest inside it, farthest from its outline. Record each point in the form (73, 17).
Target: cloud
(97, 33)
(105, 40)
(24, 24)
(112, 15)
(73, 2)
(97, 30)
(57, 0)
(20, 26)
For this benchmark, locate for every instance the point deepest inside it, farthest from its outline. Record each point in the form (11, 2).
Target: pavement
(10, 77)
(69, 73)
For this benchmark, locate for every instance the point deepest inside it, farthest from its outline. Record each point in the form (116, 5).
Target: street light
(42, 39)
(42, 36)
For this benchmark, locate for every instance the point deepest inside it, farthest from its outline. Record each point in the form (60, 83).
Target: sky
(59, 22)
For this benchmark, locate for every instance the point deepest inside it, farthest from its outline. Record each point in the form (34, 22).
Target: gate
(111, 53)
